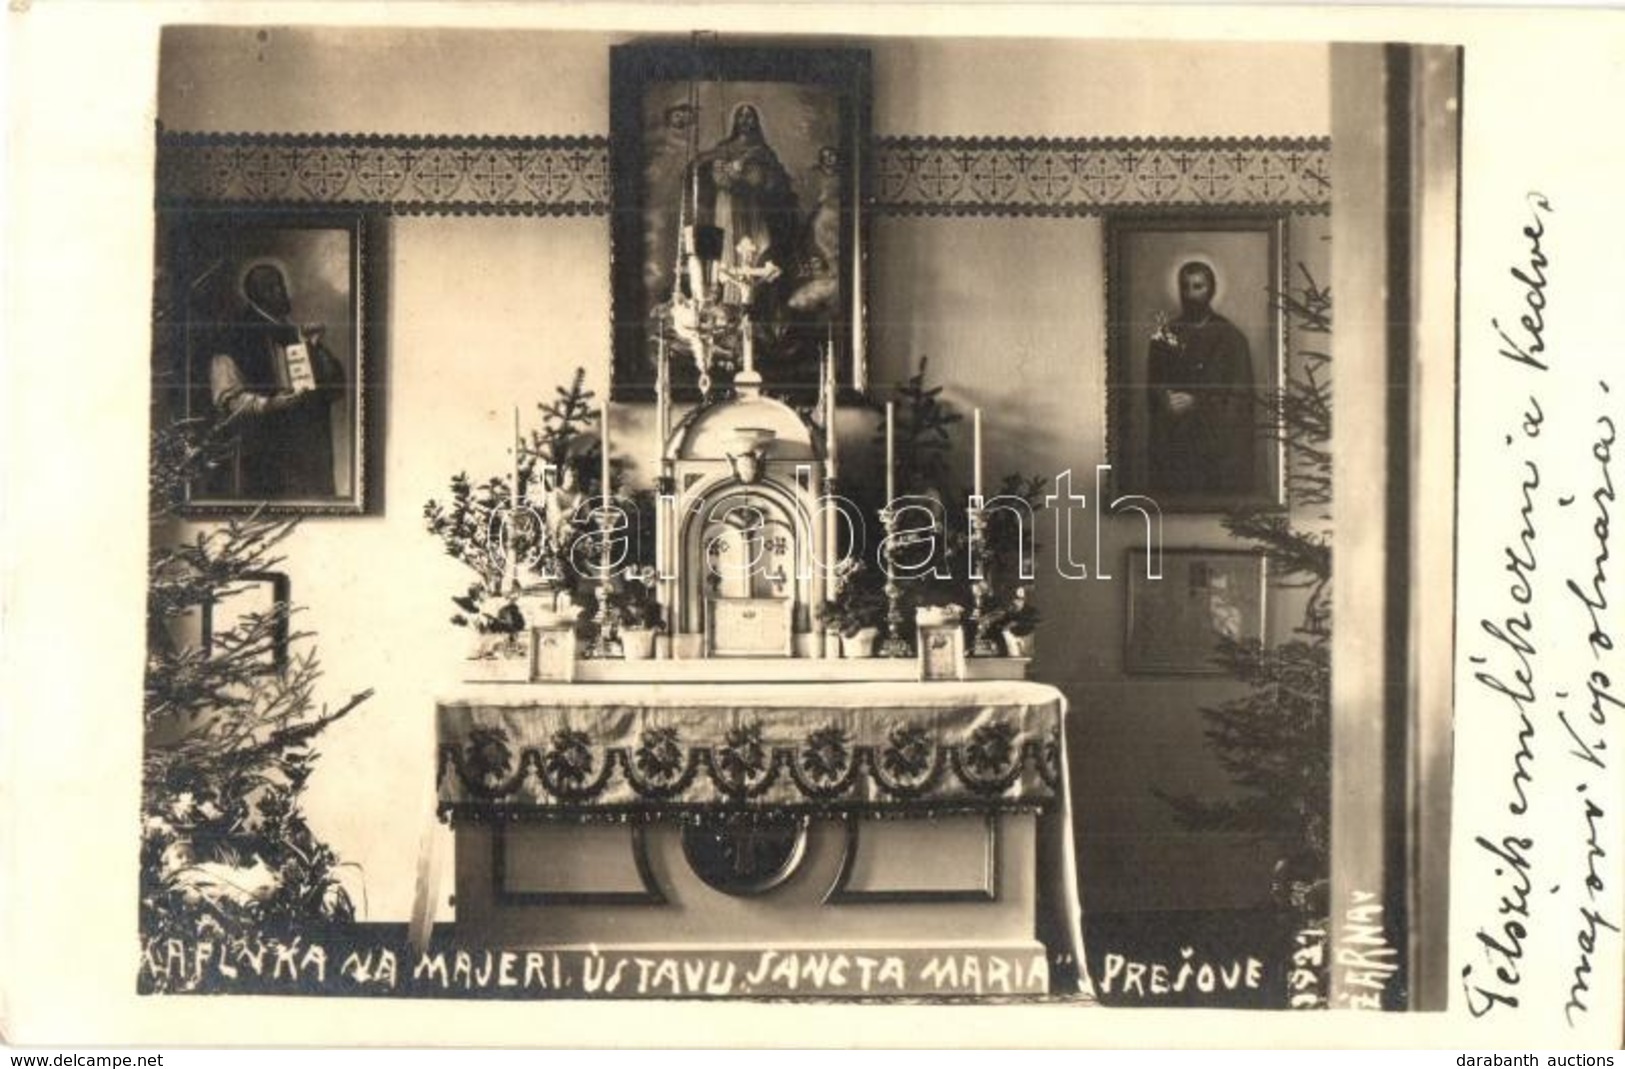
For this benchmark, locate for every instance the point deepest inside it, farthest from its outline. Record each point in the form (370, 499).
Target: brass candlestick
(982, 644)
(606, 644)
(894, 644)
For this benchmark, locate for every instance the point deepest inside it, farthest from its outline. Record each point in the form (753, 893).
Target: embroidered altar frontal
(613, 753)
(740, 823)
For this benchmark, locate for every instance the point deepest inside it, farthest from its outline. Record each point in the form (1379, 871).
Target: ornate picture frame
(768, 141)
(1175, 618)
(1192, 416)
(264, 343)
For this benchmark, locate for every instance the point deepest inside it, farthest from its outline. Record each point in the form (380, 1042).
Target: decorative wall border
(387, 173)
(1086, 176)
(1000, 176)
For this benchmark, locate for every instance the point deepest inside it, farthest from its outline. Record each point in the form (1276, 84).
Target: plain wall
(483, 313)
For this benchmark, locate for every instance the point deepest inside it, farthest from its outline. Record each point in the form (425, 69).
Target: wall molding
(914, 176)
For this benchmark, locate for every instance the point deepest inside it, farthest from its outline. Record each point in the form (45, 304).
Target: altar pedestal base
(890, 905)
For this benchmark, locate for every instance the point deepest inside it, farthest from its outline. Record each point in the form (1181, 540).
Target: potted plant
(1017, 620)
(638, 613)
(495, 620)
(857, 611)
(512, 531)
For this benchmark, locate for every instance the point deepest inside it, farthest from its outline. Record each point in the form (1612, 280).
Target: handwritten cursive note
(1542, 666)
(1587, 733)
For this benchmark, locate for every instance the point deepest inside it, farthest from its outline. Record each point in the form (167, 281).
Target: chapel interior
(476, 312)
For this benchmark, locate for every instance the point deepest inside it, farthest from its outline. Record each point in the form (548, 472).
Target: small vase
(1019, 645)
(861, 644)
(637, 643)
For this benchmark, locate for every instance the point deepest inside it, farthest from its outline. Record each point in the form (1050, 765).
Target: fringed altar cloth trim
(616, 762)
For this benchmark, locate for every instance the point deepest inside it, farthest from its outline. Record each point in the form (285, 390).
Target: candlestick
(891, 451)
(976, 448)
(894, 644)
(605, 644)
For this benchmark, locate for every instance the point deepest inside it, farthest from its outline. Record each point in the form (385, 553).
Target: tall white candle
(510, 564)
(830, 444)
(663, 397)
(891, 451)
(976, 448)
(604, 521)
(603, 433)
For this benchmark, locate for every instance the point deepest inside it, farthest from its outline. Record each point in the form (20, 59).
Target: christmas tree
(1275, 740)
(226, 852)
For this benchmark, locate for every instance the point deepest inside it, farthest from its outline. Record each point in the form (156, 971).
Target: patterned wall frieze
(570, 175)
(1086, 176)
(409, 175)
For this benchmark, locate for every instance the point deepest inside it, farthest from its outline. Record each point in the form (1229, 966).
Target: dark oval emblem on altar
(747, 858)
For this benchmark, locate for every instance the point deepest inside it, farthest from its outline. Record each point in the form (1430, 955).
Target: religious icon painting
(1195, 344)
(738, 186)
(1184, 603)
(262, 347)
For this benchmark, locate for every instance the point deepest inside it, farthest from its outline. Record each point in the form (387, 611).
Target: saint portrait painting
(1194, 360)
(264, 338)
(736, 177)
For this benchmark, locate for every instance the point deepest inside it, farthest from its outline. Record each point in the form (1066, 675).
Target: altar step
(745, 670)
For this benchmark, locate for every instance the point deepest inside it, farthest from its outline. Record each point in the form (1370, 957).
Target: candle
(976, 449)
(891, 451)
(829, 405)
(604, 522)
(510, 564)
(603, 475)
(663, 396)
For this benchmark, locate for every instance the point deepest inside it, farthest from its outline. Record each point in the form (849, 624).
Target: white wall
(483, 313)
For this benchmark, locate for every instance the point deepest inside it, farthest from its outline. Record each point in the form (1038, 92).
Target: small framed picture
(252, 616)
(1195, 337)
(553, 654)
(942, 651)
(262, 340)
(1183, 602)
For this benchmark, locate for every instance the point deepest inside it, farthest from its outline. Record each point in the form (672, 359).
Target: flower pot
(1019, 645)
(861, 644)
(937, 615)
(496, 646)
(637, 643)
(545, 613)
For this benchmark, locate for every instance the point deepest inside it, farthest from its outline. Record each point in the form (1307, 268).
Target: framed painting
(251, 617)
(268, 351)
(1176, 619)
(738, 187)
(1195, 344)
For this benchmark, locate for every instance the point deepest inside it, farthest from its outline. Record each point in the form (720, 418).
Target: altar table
(757, 837)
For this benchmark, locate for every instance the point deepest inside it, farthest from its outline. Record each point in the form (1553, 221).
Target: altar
(715, 733)
(914, 837)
